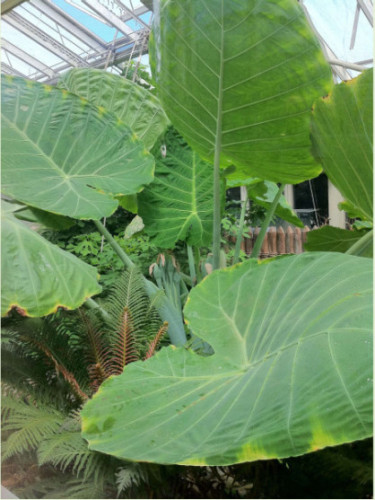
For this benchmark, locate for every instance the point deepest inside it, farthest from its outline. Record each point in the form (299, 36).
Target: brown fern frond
(153, 345)
(60, 369)
(124, 351)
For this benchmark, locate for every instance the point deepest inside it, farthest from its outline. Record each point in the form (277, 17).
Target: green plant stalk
(92, 304)
(267, 220)
(217, 212)
(193, 274)
(166, 309)
(240, 230)
(361, 244)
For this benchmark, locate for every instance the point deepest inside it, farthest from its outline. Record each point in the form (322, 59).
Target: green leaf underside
(134, 105)
(53, 221)
(334, 239)
(38, 277)
(64, 155)
(178, 206)
(342, 131)
(241, 77)
(290, 374)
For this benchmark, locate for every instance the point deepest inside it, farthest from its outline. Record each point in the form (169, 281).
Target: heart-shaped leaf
(238, 80)
(342, 129)
(178, 205)
(134, 105)
(38, 277)
(291, 370)
(64, 155)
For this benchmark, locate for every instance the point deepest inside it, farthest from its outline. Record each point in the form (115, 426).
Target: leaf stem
(193, 274)
(90, 303)
(267, 220)
(116, 247)
(361, 244)
(240, 230)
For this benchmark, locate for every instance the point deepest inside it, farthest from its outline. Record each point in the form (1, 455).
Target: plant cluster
(265, 355)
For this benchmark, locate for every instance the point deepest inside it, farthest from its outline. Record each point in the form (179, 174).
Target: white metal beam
(109, 17)
(367, 7)
(43, 39)
(69, 23)
(27, 58)
(130, 13)
(5, 68)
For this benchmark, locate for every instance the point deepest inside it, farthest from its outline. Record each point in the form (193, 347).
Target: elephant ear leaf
(178, 206)
(238, 80)
(290, 374)
(335, 239)
(134, 105)
(342, 131)
(64, 155)
(38, 277)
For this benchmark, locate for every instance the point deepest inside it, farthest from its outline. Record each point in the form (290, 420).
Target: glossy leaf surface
(64, 155)
(239, 78)
(290, 374)
(334, 239)
(38, 277)
(178, 205)
(342, 129)
(134, 105)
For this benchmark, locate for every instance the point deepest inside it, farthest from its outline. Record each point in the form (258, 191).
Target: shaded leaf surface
(38, 277)
(334, 239)
(134, 105)
(64, 155)
(240, 78)
(178, 205)
(290, 374)
(342, 128)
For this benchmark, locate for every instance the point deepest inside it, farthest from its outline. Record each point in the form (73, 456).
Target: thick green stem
(116, 247)
(361, 245)
(91, 304)
(193, 274)
(240, 231)
(267, 220)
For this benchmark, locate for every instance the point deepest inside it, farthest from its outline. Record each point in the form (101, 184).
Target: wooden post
(249, 241)
(306, 229)
(289, 240)
(297, 240)
(272, 241)
(255, 235)
(280, 243)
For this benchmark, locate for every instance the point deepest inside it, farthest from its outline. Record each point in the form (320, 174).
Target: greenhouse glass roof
(43, 38)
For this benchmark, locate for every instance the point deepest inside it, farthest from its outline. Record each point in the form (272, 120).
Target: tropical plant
(288, 334)
(51, 366)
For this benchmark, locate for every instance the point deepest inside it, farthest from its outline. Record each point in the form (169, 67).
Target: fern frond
(31, 425)
(153, 345)
(131, 475)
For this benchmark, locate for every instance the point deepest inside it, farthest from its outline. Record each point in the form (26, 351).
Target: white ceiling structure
(43, 38)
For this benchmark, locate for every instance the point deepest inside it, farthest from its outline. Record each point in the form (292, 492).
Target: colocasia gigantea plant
(290, 371)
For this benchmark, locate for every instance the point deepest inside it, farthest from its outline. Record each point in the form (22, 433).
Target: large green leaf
(334, 239)
(64, 155)
(134, 105)
(239, 78)
(342, 129)
(178, 205)
(38, 277)
(291, 372)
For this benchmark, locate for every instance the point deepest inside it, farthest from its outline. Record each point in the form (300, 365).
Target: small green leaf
(291, 371)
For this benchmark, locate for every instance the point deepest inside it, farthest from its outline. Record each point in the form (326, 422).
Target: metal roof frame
(126, 43)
